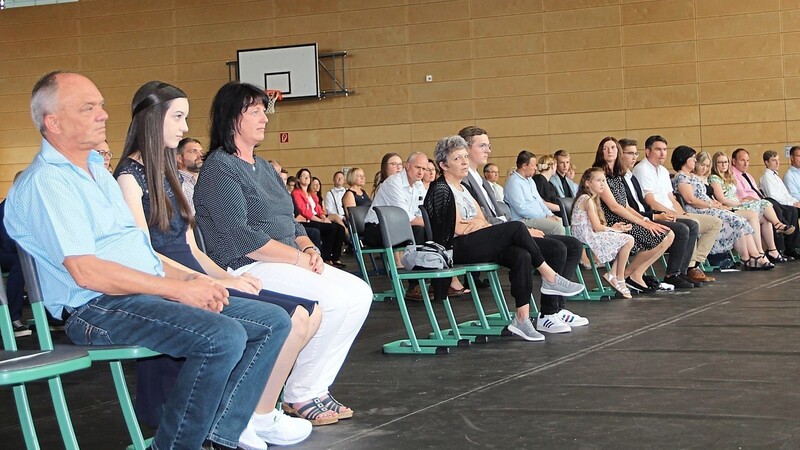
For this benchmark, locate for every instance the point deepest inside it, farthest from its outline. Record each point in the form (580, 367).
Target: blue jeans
(229, 357)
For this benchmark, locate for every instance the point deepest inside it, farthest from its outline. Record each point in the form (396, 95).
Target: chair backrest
(6, 329)
(36, 298)
(426, 219)
(680, 199)
(356, 217)
(565, 203)
(395, 227)
(198, 237)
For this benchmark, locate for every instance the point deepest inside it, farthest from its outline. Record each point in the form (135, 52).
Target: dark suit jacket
(476, 193)
(648, 211)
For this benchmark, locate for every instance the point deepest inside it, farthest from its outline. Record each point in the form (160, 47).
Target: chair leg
(62, 414)
(25, 418)
(128, 412)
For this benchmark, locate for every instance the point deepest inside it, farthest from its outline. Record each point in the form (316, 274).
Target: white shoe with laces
(572, 319)
(277, 428)
(551, 323)
(249, 440)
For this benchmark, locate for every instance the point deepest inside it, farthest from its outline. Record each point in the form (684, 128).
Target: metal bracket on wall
(331, 64)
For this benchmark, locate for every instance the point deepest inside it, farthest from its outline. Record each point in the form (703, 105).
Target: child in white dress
(589, 226)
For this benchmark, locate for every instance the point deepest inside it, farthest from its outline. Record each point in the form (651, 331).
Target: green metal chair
(486, 324)
(113, 354)
(356, 216)
(18, 367)
(396, 231)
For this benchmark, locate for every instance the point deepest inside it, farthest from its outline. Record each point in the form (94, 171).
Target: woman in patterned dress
(651, 239)
(736, 232)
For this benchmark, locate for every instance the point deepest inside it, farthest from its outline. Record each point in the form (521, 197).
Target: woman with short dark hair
(247, 219)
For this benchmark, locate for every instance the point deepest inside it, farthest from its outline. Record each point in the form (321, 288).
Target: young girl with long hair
(590, 226)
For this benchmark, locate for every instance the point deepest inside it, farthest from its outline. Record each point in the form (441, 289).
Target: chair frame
(18, 367)
(600, 292)
(114, 355)
(396, 231)
(355, 223)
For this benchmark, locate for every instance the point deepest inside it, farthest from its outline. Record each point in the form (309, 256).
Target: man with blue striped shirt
(100, 274)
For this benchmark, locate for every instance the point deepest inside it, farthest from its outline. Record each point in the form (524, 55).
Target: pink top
(743, 188)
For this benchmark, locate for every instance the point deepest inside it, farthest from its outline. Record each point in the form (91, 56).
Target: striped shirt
(240, 207)
(55, 210)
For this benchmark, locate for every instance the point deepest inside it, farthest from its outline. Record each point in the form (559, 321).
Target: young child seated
(589, 225)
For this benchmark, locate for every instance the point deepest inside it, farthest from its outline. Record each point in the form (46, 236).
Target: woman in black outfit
(458, 223)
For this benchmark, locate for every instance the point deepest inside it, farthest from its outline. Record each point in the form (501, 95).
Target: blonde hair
(350, 179)
(701, 158)
(545, 162)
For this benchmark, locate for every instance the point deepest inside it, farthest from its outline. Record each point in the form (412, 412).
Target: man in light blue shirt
(99, 273)
(792, 176)
(524, 200)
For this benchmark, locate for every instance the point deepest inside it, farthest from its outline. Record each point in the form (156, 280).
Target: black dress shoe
(652, 282)
(634, 285)
(792, 253)
(679, 282)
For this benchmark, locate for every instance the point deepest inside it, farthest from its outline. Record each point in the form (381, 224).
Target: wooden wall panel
(538, 74)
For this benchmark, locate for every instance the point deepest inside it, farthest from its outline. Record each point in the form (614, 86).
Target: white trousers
(345, 301)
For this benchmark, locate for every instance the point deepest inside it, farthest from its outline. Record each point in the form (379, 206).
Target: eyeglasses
(722, 162)
(485, 146)
(394, 164)
(105, 153)
(634, 154)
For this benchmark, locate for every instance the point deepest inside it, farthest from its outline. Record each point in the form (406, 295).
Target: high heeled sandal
(767, 265)
(781, 227)
(776, 259)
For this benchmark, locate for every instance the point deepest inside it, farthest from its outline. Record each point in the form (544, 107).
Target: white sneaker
(525, 329)
(249, 440)
(277, 428)
(551, 323)
(572, 319)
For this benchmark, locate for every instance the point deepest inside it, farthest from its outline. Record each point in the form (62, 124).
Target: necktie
(565, 186)
(752, 185)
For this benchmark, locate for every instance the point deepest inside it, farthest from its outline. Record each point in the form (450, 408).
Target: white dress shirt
(772, 186)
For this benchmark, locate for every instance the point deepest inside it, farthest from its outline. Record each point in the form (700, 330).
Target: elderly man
(747, 189)
(100, 274)
(189, 157)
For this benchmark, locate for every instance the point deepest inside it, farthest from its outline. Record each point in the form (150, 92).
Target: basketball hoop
(272, 96)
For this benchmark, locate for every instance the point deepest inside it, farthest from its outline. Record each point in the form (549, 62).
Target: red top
(303, 203)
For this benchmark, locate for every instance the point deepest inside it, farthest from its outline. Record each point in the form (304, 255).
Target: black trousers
(787, 215)
(686, 232)
(510, 245)
(332, 235)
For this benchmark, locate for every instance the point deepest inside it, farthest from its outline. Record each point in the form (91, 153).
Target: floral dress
(733, 226)
(729, 190)
(643, 239)
(604, 244)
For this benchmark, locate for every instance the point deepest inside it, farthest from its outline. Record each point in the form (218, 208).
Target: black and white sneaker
(20, 329)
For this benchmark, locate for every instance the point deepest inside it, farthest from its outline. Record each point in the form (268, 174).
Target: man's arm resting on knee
(91, 272)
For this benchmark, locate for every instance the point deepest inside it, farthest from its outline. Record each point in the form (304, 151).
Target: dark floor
(714, 367)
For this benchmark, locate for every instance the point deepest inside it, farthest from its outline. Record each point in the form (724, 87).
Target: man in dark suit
(686, 230)
(562, 253)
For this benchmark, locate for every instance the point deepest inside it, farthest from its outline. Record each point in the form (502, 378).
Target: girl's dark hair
(297, 176)
(384, 173)
(146, 136)
(317, 194)
(230, 102)
(599, 161)
(680, 155)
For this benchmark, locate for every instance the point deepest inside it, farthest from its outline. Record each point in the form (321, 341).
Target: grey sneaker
(525, 329)
(20, 329)
(561, 286)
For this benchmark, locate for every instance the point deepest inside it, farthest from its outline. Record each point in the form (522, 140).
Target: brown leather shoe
(414, 294)
(697, 275)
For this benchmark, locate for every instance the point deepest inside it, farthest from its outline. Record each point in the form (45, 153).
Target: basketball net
(272, 97)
